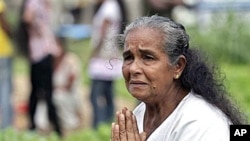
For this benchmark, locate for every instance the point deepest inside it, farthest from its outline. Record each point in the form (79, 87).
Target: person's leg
(109, 96)
(95, 95)
(53, 116)
(6, 108)
(47, 72)
(33, 98)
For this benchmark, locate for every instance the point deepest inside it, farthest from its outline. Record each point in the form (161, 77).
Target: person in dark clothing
(42, 49)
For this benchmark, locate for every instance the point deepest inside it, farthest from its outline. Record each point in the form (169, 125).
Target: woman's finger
(122, 127)
(115, 136)
(124, 110)
(129, 125)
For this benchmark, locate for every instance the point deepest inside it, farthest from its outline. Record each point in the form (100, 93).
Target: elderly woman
(182, 100)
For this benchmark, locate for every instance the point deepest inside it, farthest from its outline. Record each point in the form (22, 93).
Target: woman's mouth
(137, 84)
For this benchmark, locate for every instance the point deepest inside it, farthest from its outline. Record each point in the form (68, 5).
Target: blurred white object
(41, 118)
(183, 15)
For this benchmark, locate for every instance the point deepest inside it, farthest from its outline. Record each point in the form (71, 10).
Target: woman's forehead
(143, 35)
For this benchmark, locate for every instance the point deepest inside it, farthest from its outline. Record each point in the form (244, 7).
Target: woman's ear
(179, 66)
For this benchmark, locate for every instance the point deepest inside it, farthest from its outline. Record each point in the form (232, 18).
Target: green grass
(102, 134)
(226, 39)
(238, 84)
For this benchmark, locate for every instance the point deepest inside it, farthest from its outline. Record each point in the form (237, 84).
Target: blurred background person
(107, 23)
(75, 9)
(6, 54)
(68, 89)
(161, 7)
(42, 50)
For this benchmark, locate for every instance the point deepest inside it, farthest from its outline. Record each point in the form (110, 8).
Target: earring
(177, 76)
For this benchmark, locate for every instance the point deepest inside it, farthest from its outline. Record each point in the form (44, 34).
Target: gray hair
(176, 41)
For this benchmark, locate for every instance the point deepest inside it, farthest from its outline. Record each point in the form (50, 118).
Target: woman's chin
(139, 96)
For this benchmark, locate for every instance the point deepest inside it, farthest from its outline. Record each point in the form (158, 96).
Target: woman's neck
(156, 113)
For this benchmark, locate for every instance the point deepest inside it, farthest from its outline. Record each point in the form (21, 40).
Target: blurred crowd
(54, 102)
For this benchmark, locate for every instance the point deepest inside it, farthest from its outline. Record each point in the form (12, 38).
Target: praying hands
(125, 128)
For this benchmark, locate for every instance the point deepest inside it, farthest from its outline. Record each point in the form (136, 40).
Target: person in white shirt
(102, 70)
(181, 97)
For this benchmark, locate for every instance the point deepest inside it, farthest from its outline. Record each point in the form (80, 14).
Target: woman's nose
(135, 67)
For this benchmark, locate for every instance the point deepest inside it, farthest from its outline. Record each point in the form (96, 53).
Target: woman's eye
(148, 57)
(127, 57)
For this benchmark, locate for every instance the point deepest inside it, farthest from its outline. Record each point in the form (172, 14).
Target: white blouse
(193, 120)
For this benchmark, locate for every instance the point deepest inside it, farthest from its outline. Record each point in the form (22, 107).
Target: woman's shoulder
(196, 109)
(196, 118)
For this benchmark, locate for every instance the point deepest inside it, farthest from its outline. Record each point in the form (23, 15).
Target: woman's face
(146, 69)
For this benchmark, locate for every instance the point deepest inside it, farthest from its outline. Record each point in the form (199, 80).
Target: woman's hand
(125, 128)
